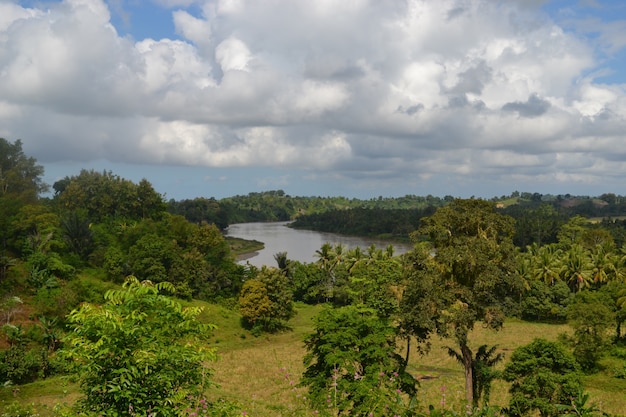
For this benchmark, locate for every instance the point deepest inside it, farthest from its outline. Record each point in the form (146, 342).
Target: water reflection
(300, 245)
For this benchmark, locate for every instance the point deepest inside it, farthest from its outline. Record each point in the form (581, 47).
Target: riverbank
(243, 248)
(300, 245)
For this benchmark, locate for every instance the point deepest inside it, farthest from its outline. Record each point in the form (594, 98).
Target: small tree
(265, 302)
(254, 304)
(352, 365)
(542, 374)
(591, 318)
(139, 353)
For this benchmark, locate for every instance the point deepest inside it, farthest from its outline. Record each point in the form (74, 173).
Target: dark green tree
(352, 365)
(542, 374)
(104, 195)
(20, 175)
(463, 274)
(20, 184)
(591, 318)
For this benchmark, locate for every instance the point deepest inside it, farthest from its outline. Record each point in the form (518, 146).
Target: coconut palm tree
(577, 268)
(605, 264)
(546, 262)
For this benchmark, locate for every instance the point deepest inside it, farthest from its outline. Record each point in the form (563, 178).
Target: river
(300, 245)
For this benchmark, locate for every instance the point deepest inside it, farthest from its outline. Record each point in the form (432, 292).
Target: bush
(353, 368)
(19, 365)
(542, 374)
(139, 353)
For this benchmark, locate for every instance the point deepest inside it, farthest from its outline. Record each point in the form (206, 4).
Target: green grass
(260, 373)
(242, 246)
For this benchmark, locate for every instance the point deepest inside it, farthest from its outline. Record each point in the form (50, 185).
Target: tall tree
(463, 274)
(20, 175)
(104, 196)
(20, 184)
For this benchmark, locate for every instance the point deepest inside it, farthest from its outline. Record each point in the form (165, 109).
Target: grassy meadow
(261, 373)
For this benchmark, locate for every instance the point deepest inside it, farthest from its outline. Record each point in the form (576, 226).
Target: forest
(115, 302)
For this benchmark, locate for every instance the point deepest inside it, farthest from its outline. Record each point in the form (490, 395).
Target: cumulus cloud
(377, 91)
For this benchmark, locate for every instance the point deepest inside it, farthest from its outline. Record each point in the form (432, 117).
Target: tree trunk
(467, 364)
(408, 351)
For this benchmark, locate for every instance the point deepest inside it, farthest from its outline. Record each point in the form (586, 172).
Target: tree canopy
(463, 273)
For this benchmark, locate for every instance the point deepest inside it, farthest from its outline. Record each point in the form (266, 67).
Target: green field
(260, 373)
(239, 247)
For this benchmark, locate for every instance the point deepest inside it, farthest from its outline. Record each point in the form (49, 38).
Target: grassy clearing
(261, 373)
(241, 246)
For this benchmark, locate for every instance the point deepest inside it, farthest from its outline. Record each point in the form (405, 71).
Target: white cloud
(386, 88)
(232, 54)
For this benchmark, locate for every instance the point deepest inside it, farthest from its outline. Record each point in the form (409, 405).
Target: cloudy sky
(325, 97)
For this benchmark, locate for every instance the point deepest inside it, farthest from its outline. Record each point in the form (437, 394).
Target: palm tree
(525, 268)
(546, 263)
(283, 262)
(577, 268)
(326, 261)
(605, 264)
(353, 258)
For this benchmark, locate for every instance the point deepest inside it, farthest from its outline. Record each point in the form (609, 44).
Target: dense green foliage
(353, 368)
(265, 301)
(542, 375)
(464, 275)
(140, 353)
(107, 196)
(375, 222)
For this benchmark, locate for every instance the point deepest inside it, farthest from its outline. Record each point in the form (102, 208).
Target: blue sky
(212, 98)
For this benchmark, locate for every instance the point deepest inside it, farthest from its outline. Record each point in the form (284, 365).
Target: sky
(215, 98)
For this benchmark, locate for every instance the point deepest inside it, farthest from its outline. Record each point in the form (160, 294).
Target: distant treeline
(278, 206)
(538, 216)
(371, 222)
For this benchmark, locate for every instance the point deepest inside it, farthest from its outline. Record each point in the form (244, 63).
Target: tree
(546, 263)
(483, 372)
(266, 301)
(283, 263)
(591, 317)
(542, 374)
(20, 176)
(577, 268)
(464, 273)
(372, 282)
(546, 302)
(352, 365)
(140, 353)
(254, 304)
(20, 184)
(327, 262)
(105, 196)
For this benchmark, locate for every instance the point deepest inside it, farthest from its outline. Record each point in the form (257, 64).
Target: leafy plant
(265, 302)
(352, 366)
(542, 374)
(139, 353)
(579, 406)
